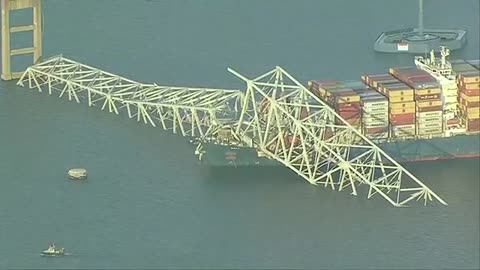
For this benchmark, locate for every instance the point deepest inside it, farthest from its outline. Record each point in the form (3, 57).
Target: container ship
(427, 111)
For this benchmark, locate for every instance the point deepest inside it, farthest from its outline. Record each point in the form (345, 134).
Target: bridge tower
(36, 27)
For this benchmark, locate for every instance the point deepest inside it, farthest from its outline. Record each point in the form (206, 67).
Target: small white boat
(77, 174)
(52, 250)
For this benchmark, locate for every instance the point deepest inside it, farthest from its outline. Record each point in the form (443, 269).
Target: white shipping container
(403, 127)
(429, 120)
(375, 109)
(375, 124)
(375, 117)
(403, 135)
(370, 104)
(430, 125)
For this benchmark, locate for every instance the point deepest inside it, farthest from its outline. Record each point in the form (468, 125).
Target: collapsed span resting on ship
(276, 117)
(427, 111)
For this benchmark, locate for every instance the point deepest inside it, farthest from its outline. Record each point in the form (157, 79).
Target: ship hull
(460, 146)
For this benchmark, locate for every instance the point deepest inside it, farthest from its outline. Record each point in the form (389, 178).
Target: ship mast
(420, 17)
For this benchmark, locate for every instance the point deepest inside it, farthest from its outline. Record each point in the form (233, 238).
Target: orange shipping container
(465, 97)
(474, 85)
(470, 92)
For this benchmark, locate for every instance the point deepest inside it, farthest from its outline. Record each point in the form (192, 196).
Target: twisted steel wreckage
(276, 115)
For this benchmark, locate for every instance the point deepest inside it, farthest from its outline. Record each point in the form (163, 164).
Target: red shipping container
(349, 115)
(350, 107)
(473, 124)
(375, 130)
(420, 78)
(402, 116)
(402, 122)
(454, 121)
(469, 104)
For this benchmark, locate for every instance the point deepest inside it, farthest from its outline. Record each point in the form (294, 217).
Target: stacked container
(401, 110)
(468, 80)
(374, 111)
(428, 102)
(345, 101)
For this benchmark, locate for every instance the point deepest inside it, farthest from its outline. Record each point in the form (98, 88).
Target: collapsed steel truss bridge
(276, 115)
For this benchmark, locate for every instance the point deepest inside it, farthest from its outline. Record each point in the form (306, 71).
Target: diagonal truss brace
(288, 123)
(195, 112)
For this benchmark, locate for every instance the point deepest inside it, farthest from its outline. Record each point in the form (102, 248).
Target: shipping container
(402, 105)
(346, 97)
(469, 85)
(473, 124)
(375, 130)
(348, 106)
(435, 119)
(470, 92)
(402, 122)
(429, 125)
(429, 103)
(437, 113)
(428, 97)
(430, 109)
(469, 77)
(401, 110)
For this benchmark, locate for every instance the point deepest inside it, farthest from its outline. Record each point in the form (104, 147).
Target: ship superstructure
(441, 69)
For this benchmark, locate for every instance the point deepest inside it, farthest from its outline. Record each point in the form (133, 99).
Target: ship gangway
(276, 115)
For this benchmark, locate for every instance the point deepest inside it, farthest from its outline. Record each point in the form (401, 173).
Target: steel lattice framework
(289, 123)
(194, 112)
(277, 115)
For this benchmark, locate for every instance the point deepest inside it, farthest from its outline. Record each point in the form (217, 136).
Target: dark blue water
(148, 204)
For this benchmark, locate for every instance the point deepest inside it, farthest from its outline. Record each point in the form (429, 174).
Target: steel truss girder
(195, 112)
(278, 114)
(288, 123)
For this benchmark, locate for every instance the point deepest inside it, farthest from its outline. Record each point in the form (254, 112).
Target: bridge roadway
(276, 114)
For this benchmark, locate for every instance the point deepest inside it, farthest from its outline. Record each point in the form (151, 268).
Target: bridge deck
(190, 111)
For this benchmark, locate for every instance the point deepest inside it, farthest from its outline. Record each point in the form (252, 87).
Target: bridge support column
(7, 30)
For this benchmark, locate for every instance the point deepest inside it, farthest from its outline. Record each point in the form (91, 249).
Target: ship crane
(276, 115)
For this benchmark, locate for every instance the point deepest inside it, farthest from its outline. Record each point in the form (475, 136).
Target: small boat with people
(52, 250)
